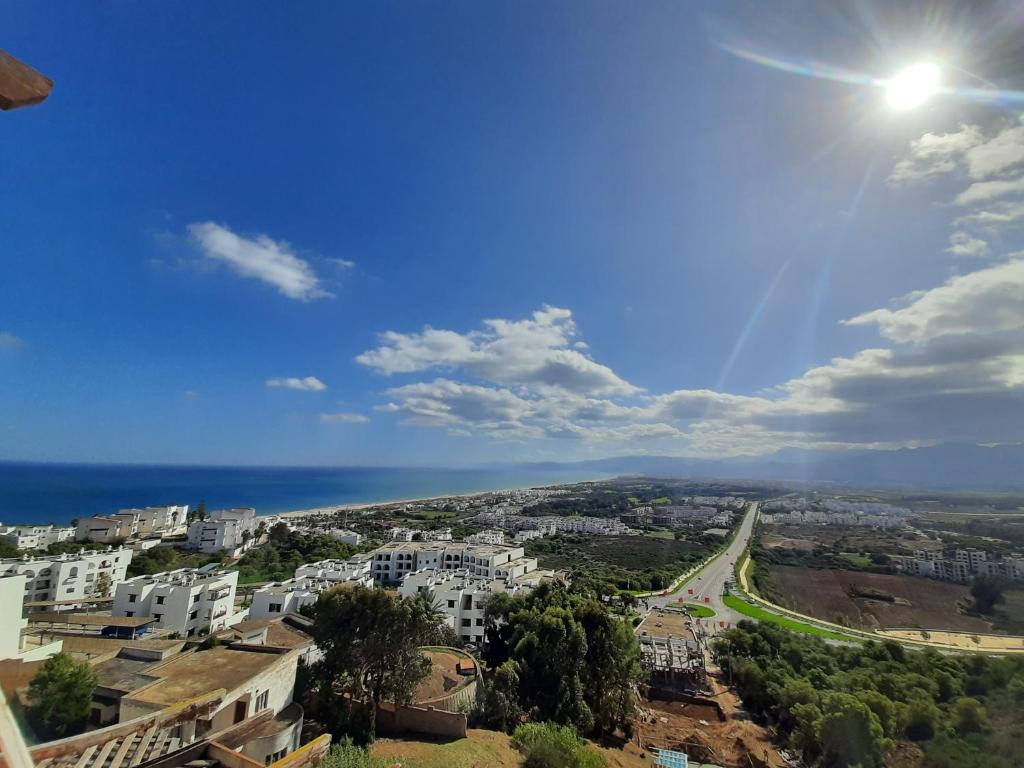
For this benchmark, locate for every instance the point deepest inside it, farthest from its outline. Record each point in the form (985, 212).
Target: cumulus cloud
(936, 154)
(305, 384)
(987, 301)
(964, 244)
(10, 341)
(259, 258)
(538, 351)
(996, 216)
(983, 191)
(343, 418)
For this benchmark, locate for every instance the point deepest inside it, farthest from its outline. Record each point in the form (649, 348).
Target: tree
(987, 592)
(499, 706)
(261, 529)
(347, 755)
(849, 733)
(103, 585)
(371, 654)
(968, 715)
(59, 696)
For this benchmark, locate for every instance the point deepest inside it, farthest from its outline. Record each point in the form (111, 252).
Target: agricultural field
(874, 600)
(622, 562)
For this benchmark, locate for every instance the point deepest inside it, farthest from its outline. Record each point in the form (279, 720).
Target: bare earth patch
(899, 601)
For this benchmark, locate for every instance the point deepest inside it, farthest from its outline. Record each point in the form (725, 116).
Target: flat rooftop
(190, 675)
(90, 619)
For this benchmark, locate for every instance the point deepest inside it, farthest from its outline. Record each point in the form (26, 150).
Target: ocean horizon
(38, 493)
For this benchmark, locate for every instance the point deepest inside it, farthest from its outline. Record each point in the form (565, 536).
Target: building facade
(186, 601)
(70, 577)
(229, 530)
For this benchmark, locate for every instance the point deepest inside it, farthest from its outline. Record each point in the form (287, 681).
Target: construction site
(686, 707)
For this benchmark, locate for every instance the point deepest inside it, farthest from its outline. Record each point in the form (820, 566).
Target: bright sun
(913, 86)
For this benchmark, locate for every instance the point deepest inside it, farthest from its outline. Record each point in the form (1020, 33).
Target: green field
(700, 611)
(756, 612)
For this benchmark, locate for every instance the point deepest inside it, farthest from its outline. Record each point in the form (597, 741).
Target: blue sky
(210, 228)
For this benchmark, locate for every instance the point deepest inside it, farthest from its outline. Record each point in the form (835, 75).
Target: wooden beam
(20, 85)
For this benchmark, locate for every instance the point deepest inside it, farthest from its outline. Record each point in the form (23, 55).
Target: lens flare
(913, 86)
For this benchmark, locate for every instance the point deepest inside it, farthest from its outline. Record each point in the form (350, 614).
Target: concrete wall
(425, 720)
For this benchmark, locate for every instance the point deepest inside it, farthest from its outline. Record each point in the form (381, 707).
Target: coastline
(332, 509)
(42, 494)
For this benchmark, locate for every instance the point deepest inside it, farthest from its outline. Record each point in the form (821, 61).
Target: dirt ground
(697, 731)
(442, 678)
(918, 602)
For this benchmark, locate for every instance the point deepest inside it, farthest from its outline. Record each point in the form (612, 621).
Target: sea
(33, 493)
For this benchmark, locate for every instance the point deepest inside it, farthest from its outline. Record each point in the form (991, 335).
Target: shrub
(546, 745)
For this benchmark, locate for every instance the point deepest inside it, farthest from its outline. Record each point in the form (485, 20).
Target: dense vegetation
(165, 558)
(370, 644)
(285, 551)
(622, 562)
(545, 745)
(846, 706)
(59, 697)
(559, 657)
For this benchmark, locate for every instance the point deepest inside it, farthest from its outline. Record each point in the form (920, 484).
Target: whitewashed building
(310, 580)
(393, 561)
(229, 530)
(187, 601)
(28, 537)
(460, 595)
(69, 577)
(490, 536)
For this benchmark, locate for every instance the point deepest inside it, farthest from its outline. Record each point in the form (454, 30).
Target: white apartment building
(402, 534)
(187, 601)
(36, 536)
(68, 577)
(351, 538)
(461, 595)
(392, 562)
(230, 530)
(156, 521)
(355, 569)
(107, 529)
(491, 536)
(310, 580)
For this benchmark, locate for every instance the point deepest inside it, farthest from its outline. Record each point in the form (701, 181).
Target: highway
(710, 581)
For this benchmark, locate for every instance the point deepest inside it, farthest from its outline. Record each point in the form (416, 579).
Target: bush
(346, 755)
(60, 695)
(546, 745)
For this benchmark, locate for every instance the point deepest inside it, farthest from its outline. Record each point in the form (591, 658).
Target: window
(466, 623)
(158, 616)
(479, 622)
(160, 600)
(261, 701)
(451, 603)
(195, 598)
(129, 614)
(132, 598)
(193, 615)
(275, 608)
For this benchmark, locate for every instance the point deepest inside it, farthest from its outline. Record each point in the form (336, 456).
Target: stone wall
(424, 720)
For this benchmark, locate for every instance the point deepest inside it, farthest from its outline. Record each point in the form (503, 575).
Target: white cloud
(260, 258)
(305, 384)
(936, 154)
(964, 244)
(988, 301)
(1003, 152)
(998, 215)
(10, 341)
(537, 352)
(343, 418)
(983, 191)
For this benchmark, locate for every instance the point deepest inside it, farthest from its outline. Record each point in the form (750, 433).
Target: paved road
(710, 581)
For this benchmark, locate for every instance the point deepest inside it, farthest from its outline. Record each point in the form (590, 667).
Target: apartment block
(310, 580)
(29, 537)
(460, 595)
(393, 561)
(69, 577)
(186, 601)
(229, 530)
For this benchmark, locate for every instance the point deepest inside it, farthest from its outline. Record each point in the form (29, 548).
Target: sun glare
(913, 86)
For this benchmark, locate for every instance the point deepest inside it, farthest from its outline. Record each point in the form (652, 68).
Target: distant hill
(948, 466)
